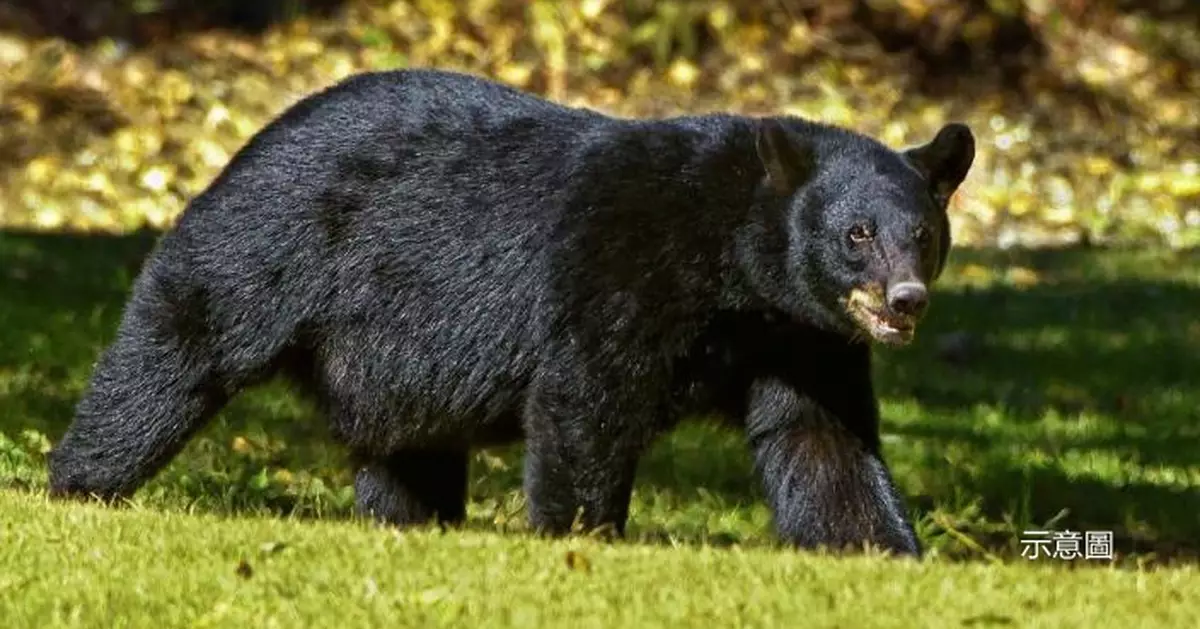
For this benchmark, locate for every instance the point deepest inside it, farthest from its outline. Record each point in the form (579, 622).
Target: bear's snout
(908, 298)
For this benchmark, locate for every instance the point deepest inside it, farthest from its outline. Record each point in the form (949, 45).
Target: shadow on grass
(1105, 345)
(1079, 342)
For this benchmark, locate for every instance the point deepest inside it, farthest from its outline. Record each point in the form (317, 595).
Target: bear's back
(393, 230)
(425, 238)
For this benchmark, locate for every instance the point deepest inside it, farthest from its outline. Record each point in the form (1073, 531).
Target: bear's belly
(389, 388)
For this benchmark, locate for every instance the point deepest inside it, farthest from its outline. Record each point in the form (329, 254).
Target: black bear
(444, 262)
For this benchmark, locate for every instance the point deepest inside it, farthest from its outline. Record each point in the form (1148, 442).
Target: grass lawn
(1048, 390)
(149, 568)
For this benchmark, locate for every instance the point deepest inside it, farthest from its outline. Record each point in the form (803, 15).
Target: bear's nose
(908, 298)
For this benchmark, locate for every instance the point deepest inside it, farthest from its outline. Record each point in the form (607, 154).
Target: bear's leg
(580, 462)
(821, 467)
(151, 390)
(413, 487)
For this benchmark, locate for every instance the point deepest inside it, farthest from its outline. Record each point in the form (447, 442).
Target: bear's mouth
(867, 310)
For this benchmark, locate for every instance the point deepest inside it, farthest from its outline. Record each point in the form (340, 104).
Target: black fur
(445, 262)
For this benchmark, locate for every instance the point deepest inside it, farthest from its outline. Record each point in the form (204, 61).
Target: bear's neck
(669, 199)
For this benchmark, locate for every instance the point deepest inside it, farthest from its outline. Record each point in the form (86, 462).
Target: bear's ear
(787, 161)
(945, 160)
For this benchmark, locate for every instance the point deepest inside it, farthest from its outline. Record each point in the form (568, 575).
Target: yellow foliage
(103, 137)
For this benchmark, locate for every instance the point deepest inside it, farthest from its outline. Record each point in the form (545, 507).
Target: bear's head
(849, 234)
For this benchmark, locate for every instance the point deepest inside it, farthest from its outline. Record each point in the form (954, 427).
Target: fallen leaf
(244, 570)
(578, 562)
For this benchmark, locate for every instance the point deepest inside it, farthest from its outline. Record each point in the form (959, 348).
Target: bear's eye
(861, 233)
(921, 234)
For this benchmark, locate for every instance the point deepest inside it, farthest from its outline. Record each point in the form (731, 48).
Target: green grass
(168, 569)
(1074, 406)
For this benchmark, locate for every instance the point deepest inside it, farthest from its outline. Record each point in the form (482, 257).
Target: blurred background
(114, 112)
